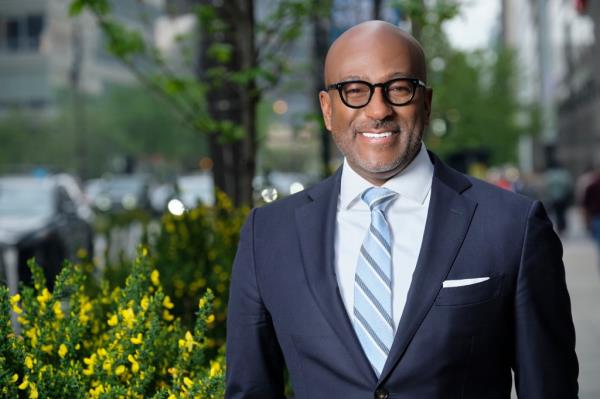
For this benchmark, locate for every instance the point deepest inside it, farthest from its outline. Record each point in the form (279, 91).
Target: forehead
(371, 56)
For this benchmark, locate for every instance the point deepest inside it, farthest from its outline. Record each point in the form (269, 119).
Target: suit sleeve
(545, 361)
(254, 360)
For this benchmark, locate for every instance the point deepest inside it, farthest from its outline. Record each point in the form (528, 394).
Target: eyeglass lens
(397, 92)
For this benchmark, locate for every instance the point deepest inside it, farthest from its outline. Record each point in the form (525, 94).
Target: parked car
(191, 191)
(120, 193)
(40, 218)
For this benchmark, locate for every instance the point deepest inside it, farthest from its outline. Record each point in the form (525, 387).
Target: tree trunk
(79, 127)
(377, 9)
(234, 161)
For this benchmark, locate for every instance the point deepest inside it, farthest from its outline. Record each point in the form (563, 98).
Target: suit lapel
(315, 222)
(448, 221)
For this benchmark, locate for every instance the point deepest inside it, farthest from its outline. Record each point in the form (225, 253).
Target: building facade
(557, 44)
(43, 50)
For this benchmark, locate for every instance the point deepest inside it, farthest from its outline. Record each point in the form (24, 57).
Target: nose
(378, 108)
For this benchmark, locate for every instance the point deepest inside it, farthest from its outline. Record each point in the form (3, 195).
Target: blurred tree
(143, 128)
(237, 59)
(475, 107)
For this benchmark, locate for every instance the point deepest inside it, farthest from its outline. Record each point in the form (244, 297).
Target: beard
(408, 147)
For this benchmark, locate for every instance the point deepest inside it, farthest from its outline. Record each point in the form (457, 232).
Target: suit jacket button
(382, 393)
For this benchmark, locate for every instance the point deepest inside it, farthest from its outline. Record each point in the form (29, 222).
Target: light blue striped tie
(373, 282)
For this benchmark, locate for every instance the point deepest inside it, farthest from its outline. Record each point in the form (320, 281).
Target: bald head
(372, 36)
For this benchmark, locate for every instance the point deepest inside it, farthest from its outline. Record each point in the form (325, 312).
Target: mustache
(377, 125)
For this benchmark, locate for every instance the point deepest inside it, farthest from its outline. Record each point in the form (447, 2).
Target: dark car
(40, 218)
(123, 193)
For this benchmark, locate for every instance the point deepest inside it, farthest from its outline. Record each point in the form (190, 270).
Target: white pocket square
(464, 281)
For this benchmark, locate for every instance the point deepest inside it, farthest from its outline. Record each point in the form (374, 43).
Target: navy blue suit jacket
(285, 308)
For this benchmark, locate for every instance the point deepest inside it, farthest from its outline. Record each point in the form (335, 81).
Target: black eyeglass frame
(384, 89)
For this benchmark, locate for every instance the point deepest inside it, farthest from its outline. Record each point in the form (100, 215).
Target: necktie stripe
(373, 320)
(376, 355)
(384, 313)
(376, 201)
(381, 240)
(373, 265)
(374, 338)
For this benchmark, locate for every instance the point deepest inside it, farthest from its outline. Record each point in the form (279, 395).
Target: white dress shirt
(406, 215)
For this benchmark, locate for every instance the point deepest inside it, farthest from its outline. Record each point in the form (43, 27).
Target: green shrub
(123, 342)
(196, 250)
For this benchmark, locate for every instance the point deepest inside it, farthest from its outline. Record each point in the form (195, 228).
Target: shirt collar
(414, 182)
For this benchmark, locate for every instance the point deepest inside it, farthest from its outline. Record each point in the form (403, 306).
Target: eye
(355, 89)
(400, 87)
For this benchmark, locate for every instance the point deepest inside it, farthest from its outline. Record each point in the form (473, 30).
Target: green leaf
(76, 7)
(220, 52)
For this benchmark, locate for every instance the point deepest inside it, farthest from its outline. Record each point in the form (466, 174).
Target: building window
(35, 25)
(21, 33)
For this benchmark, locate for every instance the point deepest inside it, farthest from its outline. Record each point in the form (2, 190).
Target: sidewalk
(583, 280)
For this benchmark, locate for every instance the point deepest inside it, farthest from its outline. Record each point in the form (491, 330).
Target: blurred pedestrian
(591, 208)
(558, 190)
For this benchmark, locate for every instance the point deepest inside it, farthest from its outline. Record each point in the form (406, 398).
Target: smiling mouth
(377, 135)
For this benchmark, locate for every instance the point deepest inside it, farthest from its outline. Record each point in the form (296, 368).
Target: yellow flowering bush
(124, 342)
(196, 250)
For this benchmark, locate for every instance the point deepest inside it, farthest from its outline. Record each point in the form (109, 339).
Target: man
(397, 277)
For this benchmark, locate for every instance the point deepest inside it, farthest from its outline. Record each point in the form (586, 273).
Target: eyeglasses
(358, 93)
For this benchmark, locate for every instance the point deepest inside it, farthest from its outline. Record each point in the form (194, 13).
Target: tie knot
(378, 198)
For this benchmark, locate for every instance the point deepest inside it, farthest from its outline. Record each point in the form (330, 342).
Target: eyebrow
(390, 76)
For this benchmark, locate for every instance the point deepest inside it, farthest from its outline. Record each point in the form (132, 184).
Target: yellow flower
(14, 378)
(120, 370)
(144, 303)
(137, 340)
(32, 333)
(188, 383)
(33, 392)
(202, 303)
(210, 319)
(57, 309)
(167, 316)
(95, 392)
(24, 384)
(44, 297)
(28, 362)
(88, 371)
(172, 371)
(14, 303)
(107, 365)
(102, 352)
(128, 316)
(155, 277)
(90, 360)
(62, 351)
(167, 303)
(83, 312)
(15, 298)
(47, 348)
(113, 320)
(215, 368)
(135, 366)
(171, 396)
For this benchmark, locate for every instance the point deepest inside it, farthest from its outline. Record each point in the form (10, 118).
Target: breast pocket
(470, 294)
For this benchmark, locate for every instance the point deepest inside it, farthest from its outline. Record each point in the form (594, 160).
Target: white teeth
(377, 135)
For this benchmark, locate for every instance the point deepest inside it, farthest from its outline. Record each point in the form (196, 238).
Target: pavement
(583, 281)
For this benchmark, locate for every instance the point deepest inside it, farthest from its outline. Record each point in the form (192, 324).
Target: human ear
(427, 104)
(325, 101)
